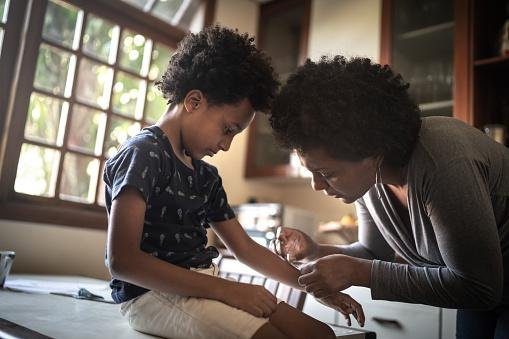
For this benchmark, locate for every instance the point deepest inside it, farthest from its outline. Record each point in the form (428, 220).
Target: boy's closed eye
(234, 129)
(326, 175)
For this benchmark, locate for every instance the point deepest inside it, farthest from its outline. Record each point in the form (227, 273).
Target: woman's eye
(326, 175)
(227, 130)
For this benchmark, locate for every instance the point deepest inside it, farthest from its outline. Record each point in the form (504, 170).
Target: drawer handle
(388, 322)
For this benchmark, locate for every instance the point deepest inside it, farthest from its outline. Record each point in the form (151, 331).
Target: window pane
(118, 132)
(79, 178)
(156, 104)
(45, 116)
(132, 49)
(60, 23)
(87, 130)
(54, 70)
(4, 8)
(100, 38)
(94, 83)
(166, 9)
(160, 57)
(128, 94)
(37, 171)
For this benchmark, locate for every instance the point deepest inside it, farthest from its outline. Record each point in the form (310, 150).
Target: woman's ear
(193, 100)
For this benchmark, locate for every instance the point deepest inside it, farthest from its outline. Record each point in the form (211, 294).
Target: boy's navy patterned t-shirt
(180, 202)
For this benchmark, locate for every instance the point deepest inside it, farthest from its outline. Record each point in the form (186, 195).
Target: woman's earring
(378, 180)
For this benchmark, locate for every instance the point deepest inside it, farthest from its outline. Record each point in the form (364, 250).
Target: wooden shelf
(426, 31)
(436, 105)
(492, 61)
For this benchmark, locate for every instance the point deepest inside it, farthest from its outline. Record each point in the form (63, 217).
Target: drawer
(391, 320)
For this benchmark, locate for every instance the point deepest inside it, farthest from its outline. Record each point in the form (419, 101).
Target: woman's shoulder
(443, 140)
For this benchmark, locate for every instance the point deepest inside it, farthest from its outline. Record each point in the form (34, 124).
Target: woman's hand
(295, 245)
(333, 273)
(254, 299)
(346, 305)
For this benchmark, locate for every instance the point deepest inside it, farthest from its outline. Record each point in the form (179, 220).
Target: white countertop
(65, 317)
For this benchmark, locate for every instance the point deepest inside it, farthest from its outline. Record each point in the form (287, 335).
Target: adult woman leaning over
(433, 191)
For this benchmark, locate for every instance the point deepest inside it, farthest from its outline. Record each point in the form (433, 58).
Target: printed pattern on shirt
(180, 201)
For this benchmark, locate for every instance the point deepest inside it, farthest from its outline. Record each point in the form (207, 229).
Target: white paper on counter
(47, 286)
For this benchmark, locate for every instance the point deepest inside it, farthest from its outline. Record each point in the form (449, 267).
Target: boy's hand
(295, 245)
(345, 305)
(253, 299)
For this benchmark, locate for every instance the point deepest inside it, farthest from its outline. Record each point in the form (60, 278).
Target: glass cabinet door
(422, 51)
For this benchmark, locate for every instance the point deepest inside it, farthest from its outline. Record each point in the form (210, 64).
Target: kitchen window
(81, 84)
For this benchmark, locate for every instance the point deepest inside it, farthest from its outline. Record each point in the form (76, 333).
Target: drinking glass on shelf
(497, 132)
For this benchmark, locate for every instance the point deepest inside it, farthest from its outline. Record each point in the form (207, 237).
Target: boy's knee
(268, 331)
(296, 324)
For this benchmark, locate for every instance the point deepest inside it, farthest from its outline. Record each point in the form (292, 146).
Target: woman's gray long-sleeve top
(458, 239)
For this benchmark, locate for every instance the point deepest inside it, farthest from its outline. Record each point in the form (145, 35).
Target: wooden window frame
(23, 36)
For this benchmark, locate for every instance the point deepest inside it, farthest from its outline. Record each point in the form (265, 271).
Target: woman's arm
(459, 206)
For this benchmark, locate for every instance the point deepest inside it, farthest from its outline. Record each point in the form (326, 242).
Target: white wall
(346, 26)
(50, 249)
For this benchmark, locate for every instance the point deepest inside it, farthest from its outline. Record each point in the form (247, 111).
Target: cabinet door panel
(419, 44)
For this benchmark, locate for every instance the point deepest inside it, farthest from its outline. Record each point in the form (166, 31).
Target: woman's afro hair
(352, 109)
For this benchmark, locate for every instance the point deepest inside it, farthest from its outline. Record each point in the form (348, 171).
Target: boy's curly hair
(352, 109)
(225, 65)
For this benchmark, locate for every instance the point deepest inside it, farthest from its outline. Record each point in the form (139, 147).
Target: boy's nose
(225, 144)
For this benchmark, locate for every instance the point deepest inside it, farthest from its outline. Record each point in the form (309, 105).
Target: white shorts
(174, 316)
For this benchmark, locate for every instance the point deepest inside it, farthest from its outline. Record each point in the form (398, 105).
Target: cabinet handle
(388, 322)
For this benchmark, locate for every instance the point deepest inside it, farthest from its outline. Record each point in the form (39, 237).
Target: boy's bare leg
(268, 331)
(294, 324)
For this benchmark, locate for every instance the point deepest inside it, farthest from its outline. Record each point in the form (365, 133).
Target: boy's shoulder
(146, 143)
(145, 139)
(149, 141)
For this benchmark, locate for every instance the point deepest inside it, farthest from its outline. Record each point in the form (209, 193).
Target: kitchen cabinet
(490, 83)
(418, 42)
(390, 320)
(283, 35)
(449, 51)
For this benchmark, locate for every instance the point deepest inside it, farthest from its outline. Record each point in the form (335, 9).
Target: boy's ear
(193, 100)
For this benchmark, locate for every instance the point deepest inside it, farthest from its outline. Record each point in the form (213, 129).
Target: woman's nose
(318, 183)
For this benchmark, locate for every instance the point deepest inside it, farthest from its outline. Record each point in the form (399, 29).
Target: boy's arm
(128, 262)
(266, 262)
(254, 255)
